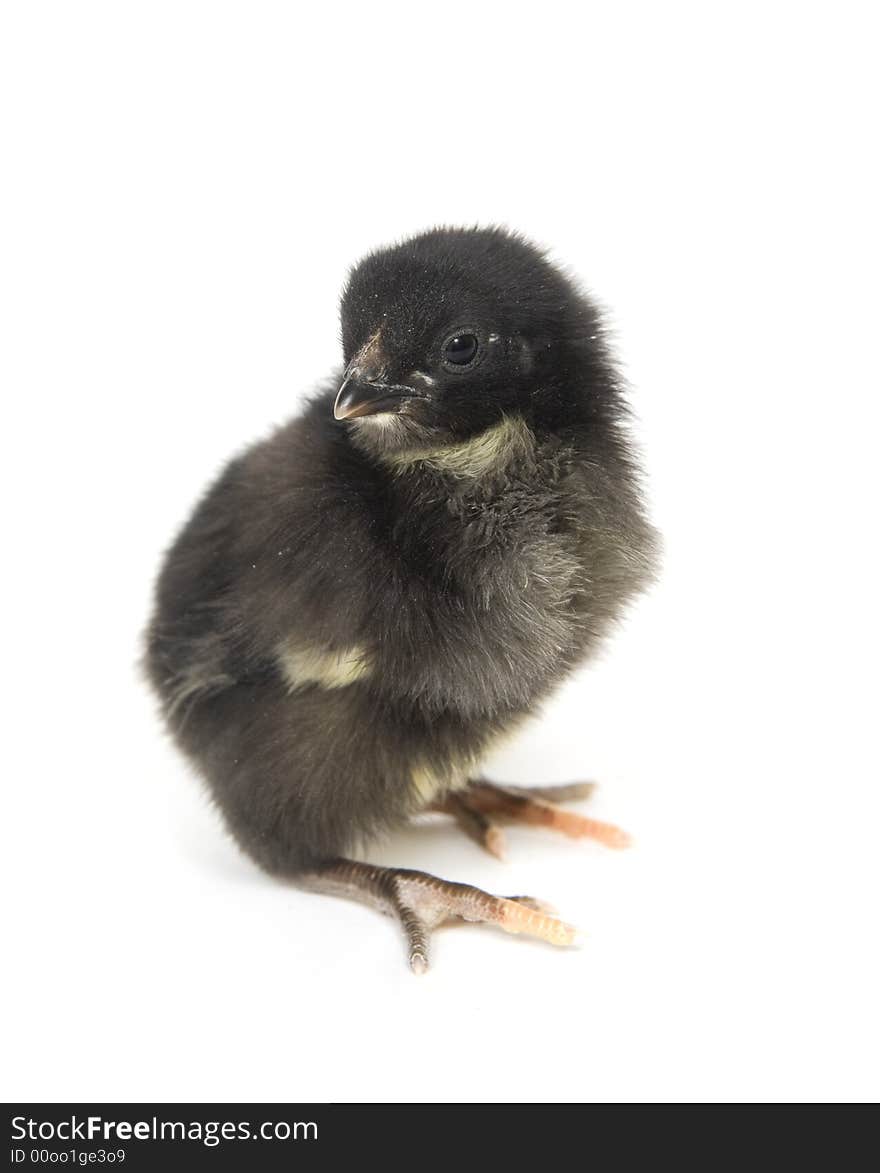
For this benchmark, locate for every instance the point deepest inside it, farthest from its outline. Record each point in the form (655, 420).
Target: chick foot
(473, 808)
(421, 902)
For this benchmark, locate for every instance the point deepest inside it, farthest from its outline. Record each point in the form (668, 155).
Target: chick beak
(364, 392)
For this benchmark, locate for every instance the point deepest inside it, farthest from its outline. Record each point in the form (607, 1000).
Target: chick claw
(472, 807)
(421, 902)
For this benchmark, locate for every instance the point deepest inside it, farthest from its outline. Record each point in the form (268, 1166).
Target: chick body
(346, 625)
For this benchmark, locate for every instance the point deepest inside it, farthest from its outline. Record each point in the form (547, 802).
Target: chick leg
(473, 808)
(421, 902)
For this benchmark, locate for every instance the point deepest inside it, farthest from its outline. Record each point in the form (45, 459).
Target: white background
(184, 187)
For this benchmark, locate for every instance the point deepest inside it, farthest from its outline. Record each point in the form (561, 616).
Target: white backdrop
(184, 187)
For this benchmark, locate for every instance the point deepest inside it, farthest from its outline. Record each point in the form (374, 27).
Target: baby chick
(364, 602)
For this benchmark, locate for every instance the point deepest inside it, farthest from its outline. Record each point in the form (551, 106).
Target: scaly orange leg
(420, 902)
(473, 809)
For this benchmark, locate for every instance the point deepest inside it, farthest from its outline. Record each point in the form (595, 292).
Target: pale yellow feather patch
(303, 664)
(490, 451)
(432, 781)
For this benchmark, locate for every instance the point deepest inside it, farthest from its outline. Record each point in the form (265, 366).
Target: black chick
(363, 603)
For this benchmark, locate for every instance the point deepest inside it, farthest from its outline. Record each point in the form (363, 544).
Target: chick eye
(461, 349)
